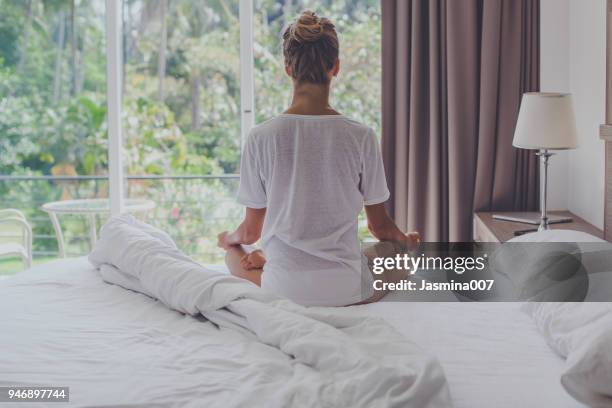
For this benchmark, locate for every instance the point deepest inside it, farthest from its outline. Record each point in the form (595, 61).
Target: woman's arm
(384, 229)
(248, 232)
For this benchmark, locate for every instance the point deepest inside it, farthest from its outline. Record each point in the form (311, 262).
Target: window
(52, 115)
(181, 116)
(195, 76)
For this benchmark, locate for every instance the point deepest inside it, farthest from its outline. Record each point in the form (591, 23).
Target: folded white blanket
(335, 360)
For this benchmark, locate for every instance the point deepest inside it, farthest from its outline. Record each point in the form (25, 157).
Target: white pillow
(567, 325)
(595, 256)
(546, 266)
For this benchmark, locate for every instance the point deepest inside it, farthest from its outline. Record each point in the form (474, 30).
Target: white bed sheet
(491, 352)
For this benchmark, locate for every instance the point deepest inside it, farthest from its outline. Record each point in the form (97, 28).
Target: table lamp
(546, 122)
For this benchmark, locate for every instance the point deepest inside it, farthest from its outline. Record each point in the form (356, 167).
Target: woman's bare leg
(233, 256)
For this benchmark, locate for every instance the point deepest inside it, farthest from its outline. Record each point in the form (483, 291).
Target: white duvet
(299, 357)
(581, 332)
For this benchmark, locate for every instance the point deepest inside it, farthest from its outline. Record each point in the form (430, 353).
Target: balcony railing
(192, 208)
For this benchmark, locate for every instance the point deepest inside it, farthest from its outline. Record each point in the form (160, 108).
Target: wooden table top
(505, 230)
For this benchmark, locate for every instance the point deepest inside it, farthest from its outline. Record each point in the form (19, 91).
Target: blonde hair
(310, 48)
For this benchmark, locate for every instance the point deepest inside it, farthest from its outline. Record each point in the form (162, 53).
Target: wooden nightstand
(488, 229)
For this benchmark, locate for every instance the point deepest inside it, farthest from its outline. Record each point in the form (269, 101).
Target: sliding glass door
(170, 88)
(182, 116)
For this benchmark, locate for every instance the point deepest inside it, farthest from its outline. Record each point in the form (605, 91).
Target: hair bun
(309, 27)
(310, 48)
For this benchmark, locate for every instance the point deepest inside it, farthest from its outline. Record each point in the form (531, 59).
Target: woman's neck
(311, 99)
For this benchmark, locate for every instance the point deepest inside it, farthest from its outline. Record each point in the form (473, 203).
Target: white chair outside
(15, 222)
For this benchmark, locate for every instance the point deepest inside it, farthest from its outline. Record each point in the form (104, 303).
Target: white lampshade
(546, 121)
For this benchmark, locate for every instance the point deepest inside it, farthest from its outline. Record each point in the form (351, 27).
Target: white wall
(555, 77)
(573, 59)
(588, 84)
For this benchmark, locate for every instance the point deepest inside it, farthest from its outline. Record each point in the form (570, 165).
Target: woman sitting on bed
(304, 177)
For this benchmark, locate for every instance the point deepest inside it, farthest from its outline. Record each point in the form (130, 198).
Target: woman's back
(304, 177)
(313, 175)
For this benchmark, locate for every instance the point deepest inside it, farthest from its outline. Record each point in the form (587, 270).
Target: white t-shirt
(313, 174)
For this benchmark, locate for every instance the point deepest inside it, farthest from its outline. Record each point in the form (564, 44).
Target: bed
(492, 353)
(62, 325)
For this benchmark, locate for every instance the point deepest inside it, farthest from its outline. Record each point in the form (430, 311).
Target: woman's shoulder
(289, 118)
(280, 124)
(358, 126)
(267, 127)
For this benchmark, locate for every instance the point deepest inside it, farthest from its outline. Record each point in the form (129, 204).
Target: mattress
(63, 326)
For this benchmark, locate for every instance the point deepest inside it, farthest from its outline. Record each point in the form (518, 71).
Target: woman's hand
(247, 233)
(413, 239)
(222, 240)
(384, 229)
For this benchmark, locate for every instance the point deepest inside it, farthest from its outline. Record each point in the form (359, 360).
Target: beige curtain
(453, 75)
